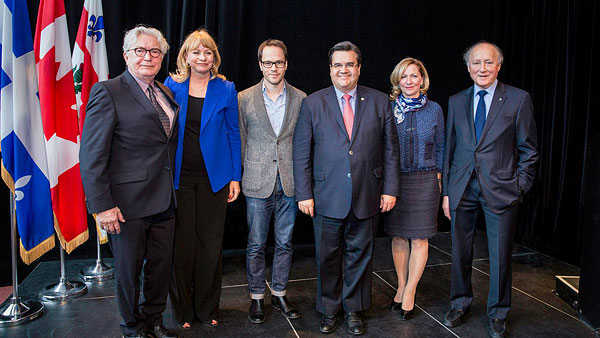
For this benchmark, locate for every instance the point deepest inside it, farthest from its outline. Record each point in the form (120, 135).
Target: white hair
(467, 53)
(131, 37)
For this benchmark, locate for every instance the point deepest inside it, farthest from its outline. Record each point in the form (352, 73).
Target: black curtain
(549, 48)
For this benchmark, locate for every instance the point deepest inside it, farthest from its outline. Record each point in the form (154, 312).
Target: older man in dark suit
(491, 154)
(346, 167)
(127, 149)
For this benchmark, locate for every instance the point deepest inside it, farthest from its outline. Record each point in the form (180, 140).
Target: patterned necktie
(348, 116)
(480, 115)
(164, 118)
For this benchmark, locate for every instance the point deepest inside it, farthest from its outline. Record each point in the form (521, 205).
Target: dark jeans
(144, 243)
(344, 250)
(198, 257)
(259, 211)
(500, 230)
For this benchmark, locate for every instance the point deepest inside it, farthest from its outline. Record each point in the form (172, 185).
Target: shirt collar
(264, 89)
(142, 84)
(340, 94)
(491, 89)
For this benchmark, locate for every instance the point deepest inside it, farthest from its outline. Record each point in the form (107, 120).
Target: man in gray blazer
(127, 150)
(268, 112)
(491, 155)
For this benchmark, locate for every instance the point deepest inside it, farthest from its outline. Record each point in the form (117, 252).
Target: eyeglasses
(348, 65)
(269, 64)
(141, 52)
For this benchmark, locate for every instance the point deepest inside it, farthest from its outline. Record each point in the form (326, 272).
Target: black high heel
(407, 315)
(395, 306)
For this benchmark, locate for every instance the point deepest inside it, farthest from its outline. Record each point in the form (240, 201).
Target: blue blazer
(338, 172)
(219, 131)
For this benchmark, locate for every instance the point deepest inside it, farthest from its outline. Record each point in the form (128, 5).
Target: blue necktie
(480, 115)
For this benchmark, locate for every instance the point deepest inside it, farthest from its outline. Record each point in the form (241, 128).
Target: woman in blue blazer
(207, 174)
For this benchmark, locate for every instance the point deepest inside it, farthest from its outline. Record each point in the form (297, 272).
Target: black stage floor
(536, 312)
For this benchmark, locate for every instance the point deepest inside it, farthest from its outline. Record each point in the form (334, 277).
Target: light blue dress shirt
(340, 96)
(275, 110)
(488, 98)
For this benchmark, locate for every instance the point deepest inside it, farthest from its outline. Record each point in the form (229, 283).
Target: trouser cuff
(257, 296)
(278, 293)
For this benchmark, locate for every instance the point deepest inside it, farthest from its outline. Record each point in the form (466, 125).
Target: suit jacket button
(167, 168)
(349, 175)
(351, 152)
(274, 161)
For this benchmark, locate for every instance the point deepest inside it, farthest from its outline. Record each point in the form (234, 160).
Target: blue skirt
(416, 210)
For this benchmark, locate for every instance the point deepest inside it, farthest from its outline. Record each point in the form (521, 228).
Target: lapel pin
(500, 99)
(362, 98)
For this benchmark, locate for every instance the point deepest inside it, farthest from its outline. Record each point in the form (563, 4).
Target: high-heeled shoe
(395, 306)
(407, 315)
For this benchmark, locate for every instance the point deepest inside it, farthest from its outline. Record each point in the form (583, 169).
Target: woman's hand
(234, 191)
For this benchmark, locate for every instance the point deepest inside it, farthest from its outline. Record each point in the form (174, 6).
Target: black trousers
(144, 243)
(500, 228)
(198, 259)
(344, 251)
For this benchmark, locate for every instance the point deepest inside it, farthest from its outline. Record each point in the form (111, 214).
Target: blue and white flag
(23, 145)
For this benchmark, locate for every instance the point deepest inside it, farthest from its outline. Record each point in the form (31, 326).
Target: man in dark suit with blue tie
(346, 167)
(490, 160)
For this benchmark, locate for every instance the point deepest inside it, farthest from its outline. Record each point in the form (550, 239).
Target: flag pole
(100, 271)
(13, 311)
(64, 289)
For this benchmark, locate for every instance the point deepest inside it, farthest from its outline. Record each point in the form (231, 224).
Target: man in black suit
(346, 167)
(491, 155)
(127, 149)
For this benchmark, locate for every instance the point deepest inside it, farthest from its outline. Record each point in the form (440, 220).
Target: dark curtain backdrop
(549, 46)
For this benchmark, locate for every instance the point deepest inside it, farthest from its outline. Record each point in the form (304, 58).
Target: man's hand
(446, 207)
(234, 191)
(387, 202)
(109, 220)
(307, 207)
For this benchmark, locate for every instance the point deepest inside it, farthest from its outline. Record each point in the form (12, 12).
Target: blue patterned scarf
(403, 105)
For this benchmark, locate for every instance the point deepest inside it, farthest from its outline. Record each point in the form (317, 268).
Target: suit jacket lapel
(497, 102)
(469, 112)
(210, 102)
(136, 92)
(359, 107)
(261, 110)
(289, 103)
(172, 102)
(334, 107)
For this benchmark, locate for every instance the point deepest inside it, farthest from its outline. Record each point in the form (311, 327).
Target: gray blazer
(263, 152)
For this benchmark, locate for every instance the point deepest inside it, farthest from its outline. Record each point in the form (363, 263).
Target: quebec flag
(22, 142)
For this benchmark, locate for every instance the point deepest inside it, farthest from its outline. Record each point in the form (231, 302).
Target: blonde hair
(400, 69)
(193, 41)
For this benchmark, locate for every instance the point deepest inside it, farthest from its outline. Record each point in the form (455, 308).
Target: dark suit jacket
(506, 155)
(339, 173)
(126, 158)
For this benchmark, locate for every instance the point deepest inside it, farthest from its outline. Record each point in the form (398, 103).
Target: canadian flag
(89, 61)
(59, 119)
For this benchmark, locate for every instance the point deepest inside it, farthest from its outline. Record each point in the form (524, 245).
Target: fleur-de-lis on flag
(97, 24)
(21, 182)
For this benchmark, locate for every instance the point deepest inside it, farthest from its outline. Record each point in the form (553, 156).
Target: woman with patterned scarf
(420, 125)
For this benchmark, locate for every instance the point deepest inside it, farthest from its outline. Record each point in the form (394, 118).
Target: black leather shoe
(282, 304)
(160, 331)
(355, 324)
(455, 317)
(497, 328)
(139, 335)
(328, 323)
(256, 314)
(406, 315)
(395, 306)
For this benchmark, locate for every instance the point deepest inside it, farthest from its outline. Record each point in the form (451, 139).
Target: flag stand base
(14, 312)
(63, 290)
(98, 273)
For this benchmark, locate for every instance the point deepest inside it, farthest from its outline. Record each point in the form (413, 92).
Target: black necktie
(164, 118)
(480, 115)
